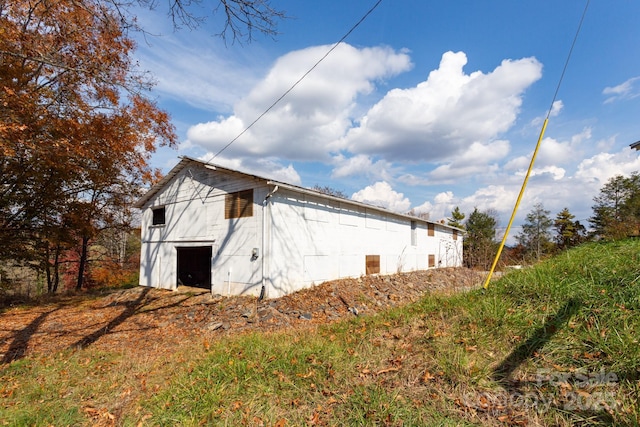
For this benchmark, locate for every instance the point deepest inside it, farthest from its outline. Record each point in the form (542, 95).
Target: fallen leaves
(386, 370)
(163, 321)
(100, 416)
(427, 377)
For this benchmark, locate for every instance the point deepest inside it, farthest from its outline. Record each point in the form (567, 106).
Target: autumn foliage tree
(76, 129)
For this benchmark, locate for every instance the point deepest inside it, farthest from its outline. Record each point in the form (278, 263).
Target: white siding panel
(351, 215)
(422, 263)
(319, 268)
(316, 209)
(351, 265)
(375, 220)
(157, 266)
(395, 224)
(191, 222)
(236, 275)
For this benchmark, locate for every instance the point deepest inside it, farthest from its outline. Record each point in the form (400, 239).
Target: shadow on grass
(588, 414)
(536, 341)
(129, 311)
(132, 308)
(21, 338)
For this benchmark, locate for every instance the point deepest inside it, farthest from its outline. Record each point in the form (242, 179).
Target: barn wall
(194, 212)
(308, 239)
(314, 240)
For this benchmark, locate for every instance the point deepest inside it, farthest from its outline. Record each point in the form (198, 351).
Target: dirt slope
(140, 319)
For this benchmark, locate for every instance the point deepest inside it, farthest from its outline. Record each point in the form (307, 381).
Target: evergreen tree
(569, 233)
(535, 235)
(479, 243)
(456, 218)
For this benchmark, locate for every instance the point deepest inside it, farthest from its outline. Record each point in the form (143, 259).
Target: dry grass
(552, 345)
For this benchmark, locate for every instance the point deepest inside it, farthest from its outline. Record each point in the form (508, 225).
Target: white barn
(236, 233)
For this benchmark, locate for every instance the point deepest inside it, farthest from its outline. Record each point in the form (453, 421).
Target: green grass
(555, 344)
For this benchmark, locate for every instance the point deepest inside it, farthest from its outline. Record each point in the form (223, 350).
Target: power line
(297, 82)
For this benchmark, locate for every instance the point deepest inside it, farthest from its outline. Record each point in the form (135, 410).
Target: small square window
(158, 216)
(432, 261)
(372, 264)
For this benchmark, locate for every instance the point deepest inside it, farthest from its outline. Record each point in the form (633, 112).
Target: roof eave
(185, 160)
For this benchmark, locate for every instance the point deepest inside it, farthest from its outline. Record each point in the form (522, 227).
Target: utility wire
(297, 82)
(535, 152)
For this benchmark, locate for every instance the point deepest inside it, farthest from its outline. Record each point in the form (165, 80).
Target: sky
(425, 106)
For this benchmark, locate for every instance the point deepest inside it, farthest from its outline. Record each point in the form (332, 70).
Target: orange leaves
(67, 130)
(394, 365)
(386, 370)
(427, 377)
(309, 374)
(100, 416)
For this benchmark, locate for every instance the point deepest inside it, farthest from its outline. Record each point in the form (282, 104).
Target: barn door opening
(194, 266)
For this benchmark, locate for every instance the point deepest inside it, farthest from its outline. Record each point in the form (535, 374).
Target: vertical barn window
(158, 216)
(238, 204)
(430, 230)
(455, 234)
(432, 261)
(414, 233)
(373, 264)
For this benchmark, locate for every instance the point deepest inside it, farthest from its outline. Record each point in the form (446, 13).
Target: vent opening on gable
(238, 204)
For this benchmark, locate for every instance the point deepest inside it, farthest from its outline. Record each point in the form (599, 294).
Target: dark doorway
(194, 266)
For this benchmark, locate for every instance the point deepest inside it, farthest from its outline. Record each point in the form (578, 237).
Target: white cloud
(315, 112)
(381, 194)
(556, 108)
(442, 116)
(362, 165)
(553, 152)
(626, 90)
(443, 204)
(597, 170)
(550, 184)
(555, 172)
(517, 163)
(475, 160)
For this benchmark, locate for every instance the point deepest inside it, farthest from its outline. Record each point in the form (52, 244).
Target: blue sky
(426, 105)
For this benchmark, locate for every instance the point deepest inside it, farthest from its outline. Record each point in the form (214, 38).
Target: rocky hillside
(140, 319)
